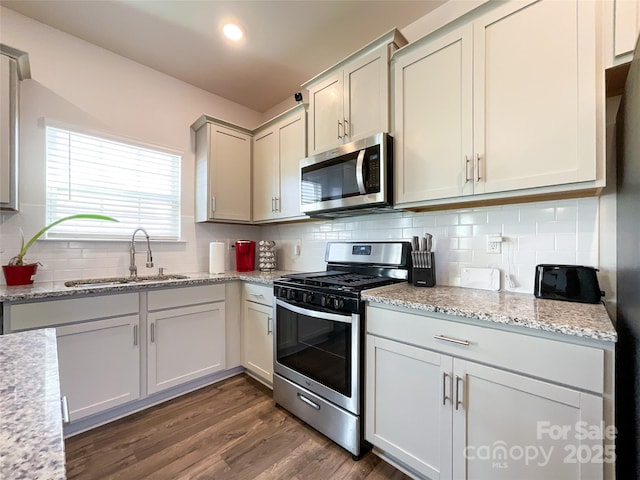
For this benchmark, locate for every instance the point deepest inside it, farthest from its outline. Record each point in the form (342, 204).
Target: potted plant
(19, 273)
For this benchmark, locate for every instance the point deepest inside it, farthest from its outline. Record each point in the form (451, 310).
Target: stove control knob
(307, 297)
(324, 300)
(281, 292)
(338, 303)
(291, 294)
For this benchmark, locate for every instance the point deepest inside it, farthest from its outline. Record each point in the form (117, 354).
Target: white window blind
(139, 187)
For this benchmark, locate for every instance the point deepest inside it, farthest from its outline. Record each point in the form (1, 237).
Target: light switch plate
(482, 278)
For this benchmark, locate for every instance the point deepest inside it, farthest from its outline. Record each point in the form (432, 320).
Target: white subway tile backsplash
(558, 226)
(461, 231)
(473, 218)
(556, 257)
(424, 220)
(566, 242)
(447, 219)
(537, 214)
(547, 232)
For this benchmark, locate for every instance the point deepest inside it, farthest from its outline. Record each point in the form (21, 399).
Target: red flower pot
(19, 274)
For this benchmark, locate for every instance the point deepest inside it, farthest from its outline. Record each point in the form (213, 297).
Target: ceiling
(287, 42)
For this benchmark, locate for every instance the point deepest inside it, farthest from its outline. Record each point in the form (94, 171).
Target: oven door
(319, 351)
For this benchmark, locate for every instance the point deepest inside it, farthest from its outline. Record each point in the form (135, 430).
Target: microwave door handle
(334, 317)
(360, 172)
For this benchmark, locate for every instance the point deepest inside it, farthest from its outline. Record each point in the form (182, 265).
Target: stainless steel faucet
(133, 270)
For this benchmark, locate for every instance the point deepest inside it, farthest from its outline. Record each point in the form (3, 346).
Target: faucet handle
(149, 264)
(161, 271)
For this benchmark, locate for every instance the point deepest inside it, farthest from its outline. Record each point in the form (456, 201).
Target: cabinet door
(99, 364)
(185, 344)
(265, 174)
(623, 24)
(433, 112)
(408, 405)
(366, 95)
(230, 174)
(326, 120)
(293, 148)
(257, 340)
(509, 426)
(535, 95)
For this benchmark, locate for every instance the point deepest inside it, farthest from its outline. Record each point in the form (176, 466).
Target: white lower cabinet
(98, 347)
(184, 344)
(105, 342)
(99, 364)
(257, 332)
(185, 335)
(444, 416)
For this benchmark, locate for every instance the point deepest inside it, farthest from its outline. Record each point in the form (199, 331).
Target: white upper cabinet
(14, 67)
(278, 147)
(351, 100)
(502, 104)
(622, 27)
(223, 172)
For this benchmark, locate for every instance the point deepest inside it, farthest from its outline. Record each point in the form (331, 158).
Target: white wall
(80, 84)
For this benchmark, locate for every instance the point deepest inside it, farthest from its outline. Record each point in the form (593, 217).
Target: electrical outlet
(494, 244)
(298, 248)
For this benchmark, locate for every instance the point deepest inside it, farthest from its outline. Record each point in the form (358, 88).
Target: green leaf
(24, 248)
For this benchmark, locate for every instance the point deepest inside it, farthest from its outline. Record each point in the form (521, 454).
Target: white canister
(216, 257)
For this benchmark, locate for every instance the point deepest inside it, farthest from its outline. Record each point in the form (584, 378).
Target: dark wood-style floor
(231, 430)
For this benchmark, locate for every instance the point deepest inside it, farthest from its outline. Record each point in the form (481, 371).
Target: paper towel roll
(216, 257)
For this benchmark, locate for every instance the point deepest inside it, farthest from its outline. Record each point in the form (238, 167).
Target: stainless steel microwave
(353, 178)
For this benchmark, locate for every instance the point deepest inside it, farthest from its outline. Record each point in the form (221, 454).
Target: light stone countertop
(43, 290)
(516, 309)
(31, 444)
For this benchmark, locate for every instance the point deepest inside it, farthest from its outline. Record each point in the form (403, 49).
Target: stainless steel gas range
(319, 333)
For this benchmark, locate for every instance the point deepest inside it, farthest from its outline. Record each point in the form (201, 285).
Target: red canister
(245, 255)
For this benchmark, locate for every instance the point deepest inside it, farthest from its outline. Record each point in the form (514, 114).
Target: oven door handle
(334, 317)
(360, 172)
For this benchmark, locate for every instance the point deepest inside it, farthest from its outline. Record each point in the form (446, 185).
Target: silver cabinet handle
(269, 325)
(458, 401)
(339, 125)
(272, 204)
(347, 133)
(444, 388)
(466, 168)
(277, 204)
(66, 418)
(153, 332)
(213, 204)
(308, 402)
(257, 295)
(478, 167)
(452, 340)
(135, 335)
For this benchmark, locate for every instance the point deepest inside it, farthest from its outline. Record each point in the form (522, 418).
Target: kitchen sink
(113, 281)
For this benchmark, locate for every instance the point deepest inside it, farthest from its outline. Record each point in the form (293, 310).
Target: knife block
(424, 276)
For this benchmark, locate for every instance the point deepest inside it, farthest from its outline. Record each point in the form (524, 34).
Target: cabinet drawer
(262, 294)
(557, 361)
(179, 297)
(25, 316)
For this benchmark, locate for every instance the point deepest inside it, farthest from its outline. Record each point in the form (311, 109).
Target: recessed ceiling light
(232, 32)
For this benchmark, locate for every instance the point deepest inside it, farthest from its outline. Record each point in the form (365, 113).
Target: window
(136, 185)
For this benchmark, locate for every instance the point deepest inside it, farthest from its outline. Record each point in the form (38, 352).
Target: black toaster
(572, 283)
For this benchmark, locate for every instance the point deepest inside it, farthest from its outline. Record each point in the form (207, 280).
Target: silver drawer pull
(452, 340)
(257, 295)
(308, 402)
(66, 419)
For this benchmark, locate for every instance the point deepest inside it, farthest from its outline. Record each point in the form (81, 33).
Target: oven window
(319, 349)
